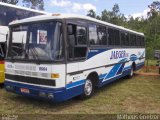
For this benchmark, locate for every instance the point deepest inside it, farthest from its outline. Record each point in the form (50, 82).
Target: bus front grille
(31, 80)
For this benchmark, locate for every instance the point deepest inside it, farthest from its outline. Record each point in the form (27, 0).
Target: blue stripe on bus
(102, 76)
(133, 57)
(121, 69)
(94, 52)
(102, 83)
(74, 84)
(117, 68)
(113, 71)
(142, 55)
(126, 68)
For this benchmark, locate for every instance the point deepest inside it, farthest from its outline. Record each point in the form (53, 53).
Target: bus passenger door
(77, 50)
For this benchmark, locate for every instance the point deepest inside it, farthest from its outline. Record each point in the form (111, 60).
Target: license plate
(24, 90)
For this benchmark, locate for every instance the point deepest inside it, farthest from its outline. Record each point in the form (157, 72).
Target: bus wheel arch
(89, 86)
(93, 76)
(134, 66)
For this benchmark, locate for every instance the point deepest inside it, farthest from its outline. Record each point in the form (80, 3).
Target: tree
(114, 16)
(115, 9)
(91, 13)
(98, 17)
(14, 2)
(34, 4)
(154, 8)
(106, 15)
(153, 28)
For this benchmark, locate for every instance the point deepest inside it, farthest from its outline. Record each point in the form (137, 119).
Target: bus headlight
(10, 88)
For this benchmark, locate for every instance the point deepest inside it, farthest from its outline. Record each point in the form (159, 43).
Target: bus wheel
(131, 73)
(1, 85)
(88, 89)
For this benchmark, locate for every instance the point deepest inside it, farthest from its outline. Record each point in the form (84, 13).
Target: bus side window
(132, 39)
(138, 42)
(81, 35)
(102, 35)
(116, 37)
(93, 36)
(111, 36)
(77, 40)
(126, 43)
(122, 38)
(142, 42)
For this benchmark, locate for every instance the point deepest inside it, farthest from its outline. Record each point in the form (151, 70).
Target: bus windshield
(36, 41)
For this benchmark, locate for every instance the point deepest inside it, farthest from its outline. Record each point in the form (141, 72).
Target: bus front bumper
(51, 94)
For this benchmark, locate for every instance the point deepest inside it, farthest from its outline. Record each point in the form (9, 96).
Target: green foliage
(14, 2)
(34, 4)
(91, 13)
(150, 26)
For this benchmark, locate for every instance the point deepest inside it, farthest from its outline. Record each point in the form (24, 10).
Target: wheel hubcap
(88, 87)
(131, 71)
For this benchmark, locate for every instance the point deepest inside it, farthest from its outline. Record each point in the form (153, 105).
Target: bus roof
(22, 8)
(70, 16)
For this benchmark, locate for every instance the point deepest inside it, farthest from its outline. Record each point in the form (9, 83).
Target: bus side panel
(61, 72)
(112, 63)
(2, 72)
(75, 80)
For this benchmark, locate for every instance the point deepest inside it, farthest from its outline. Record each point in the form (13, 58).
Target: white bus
(9, 13)
(60, 56)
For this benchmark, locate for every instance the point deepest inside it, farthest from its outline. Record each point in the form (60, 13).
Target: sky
(136, 8)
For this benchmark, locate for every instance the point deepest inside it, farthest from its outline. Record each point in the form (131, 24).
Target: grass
(151, 62)
(141, 94)
(151, 68)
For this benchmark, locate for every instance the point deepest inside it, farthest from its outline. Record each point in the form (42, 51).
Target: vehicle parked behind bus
(3, 37)
(60, 56)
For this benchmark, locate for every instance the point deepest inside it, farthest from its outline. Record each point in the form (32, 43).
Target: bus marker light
(55, 75)
(50, 96)
(56, 14)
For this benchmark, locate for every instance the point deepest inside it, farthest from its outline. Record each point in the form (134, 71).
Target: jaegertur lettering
(118, 54)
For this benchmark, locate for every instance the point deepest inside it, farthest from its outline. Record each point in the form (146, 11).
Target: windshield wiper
(1, 52)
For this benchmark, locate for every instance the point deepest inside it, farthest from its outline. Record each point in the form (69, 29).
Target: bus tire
(88, 89)
(1, 85)
(131, 73)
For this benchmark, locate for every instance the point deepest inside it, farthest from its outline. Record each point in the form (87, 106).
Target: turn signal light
(55, 75)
